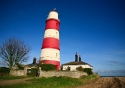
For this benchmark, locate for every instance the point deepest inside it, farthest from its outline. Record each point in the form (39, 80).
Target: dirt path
(14, 81)
(106, 82)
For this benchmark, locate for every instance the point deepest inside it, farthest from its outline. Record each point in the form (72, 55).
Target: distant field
(112, 76)
(106, 82)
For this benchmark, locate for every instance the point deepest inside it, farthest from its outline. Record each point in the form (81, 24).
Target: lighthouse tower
(50, 51)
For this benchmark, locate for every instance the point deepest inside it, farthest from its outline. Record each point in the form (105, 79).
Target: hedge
(47, 67)
(87, 70)
(4, 71)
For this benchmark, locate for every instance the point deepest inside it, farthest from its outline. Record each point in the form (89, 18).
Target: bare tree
(14, 51)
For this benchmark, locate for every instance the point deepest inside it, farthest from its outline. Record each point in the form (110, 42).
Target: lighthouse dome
(53, 15)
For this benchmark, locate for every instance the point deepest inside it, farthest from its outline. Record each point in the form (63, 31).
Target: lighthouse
(50, 51)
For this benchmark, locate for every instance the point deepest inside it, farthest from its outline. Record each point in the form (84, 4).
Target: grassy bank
(87, 79)
(11, 77)
(52, 82)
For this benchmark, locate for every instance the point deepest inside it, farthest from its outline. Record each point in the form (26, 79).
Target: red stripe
(50, 42)
(52, 24)
(56, 63)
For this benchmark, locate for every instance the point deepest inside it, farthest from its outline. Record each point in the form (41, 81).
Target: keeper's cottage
(74, 64)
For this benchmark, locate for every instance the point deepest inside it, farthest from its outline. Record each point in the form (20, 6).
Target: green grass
(11, 77)
(52, 82)
(89, 78)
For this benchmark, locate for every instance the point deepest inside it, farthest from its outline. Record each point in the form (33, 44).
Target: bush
(47, 67)
(4, 71)
(80, 68)
(33, 72)
(88, 71)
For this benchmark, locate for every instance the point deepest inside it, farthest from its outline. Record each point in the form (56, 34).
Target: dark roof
(77, 63)
(32, 64)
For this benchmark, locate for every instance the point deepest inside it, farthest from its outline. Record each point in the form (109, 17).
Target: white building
(77, 63)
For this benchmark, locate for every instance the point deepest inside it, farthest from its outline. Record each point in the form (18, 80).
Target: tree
(14, 51)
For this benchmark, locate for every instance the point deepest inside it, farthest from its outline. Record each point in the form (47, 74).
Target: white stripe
(51, 33)
(50, 54)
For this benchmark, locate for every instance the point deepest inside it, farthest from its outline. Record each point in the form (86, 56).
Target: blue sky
(93, 28)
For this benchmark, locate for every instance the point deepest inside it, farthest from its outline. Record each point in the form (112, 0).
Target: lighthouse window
(56, 33)
(56, 54)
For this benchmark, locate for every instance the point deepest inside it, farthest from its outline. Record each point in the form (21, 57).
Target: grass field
(11, 77)
(52, 82)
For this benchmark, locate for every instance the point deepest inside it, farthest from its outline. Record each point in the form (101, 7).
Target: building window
(68, 68)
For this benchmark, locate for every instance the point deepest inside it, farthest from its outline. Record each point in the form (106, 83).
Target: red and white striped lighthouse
(50, 51)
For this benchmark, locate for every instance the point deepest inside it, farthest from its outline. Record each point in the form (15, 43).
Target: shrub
(47, 67)
(88, 71)
(80, 68)
(4, 71)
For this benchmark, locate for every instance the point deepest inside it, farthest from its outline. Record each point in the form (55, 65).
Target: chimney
(79, 58)
(34, 60)
(76, 57)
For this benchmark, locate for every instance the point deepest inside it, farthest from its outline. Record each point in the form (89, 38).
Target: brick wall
(17, 73)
